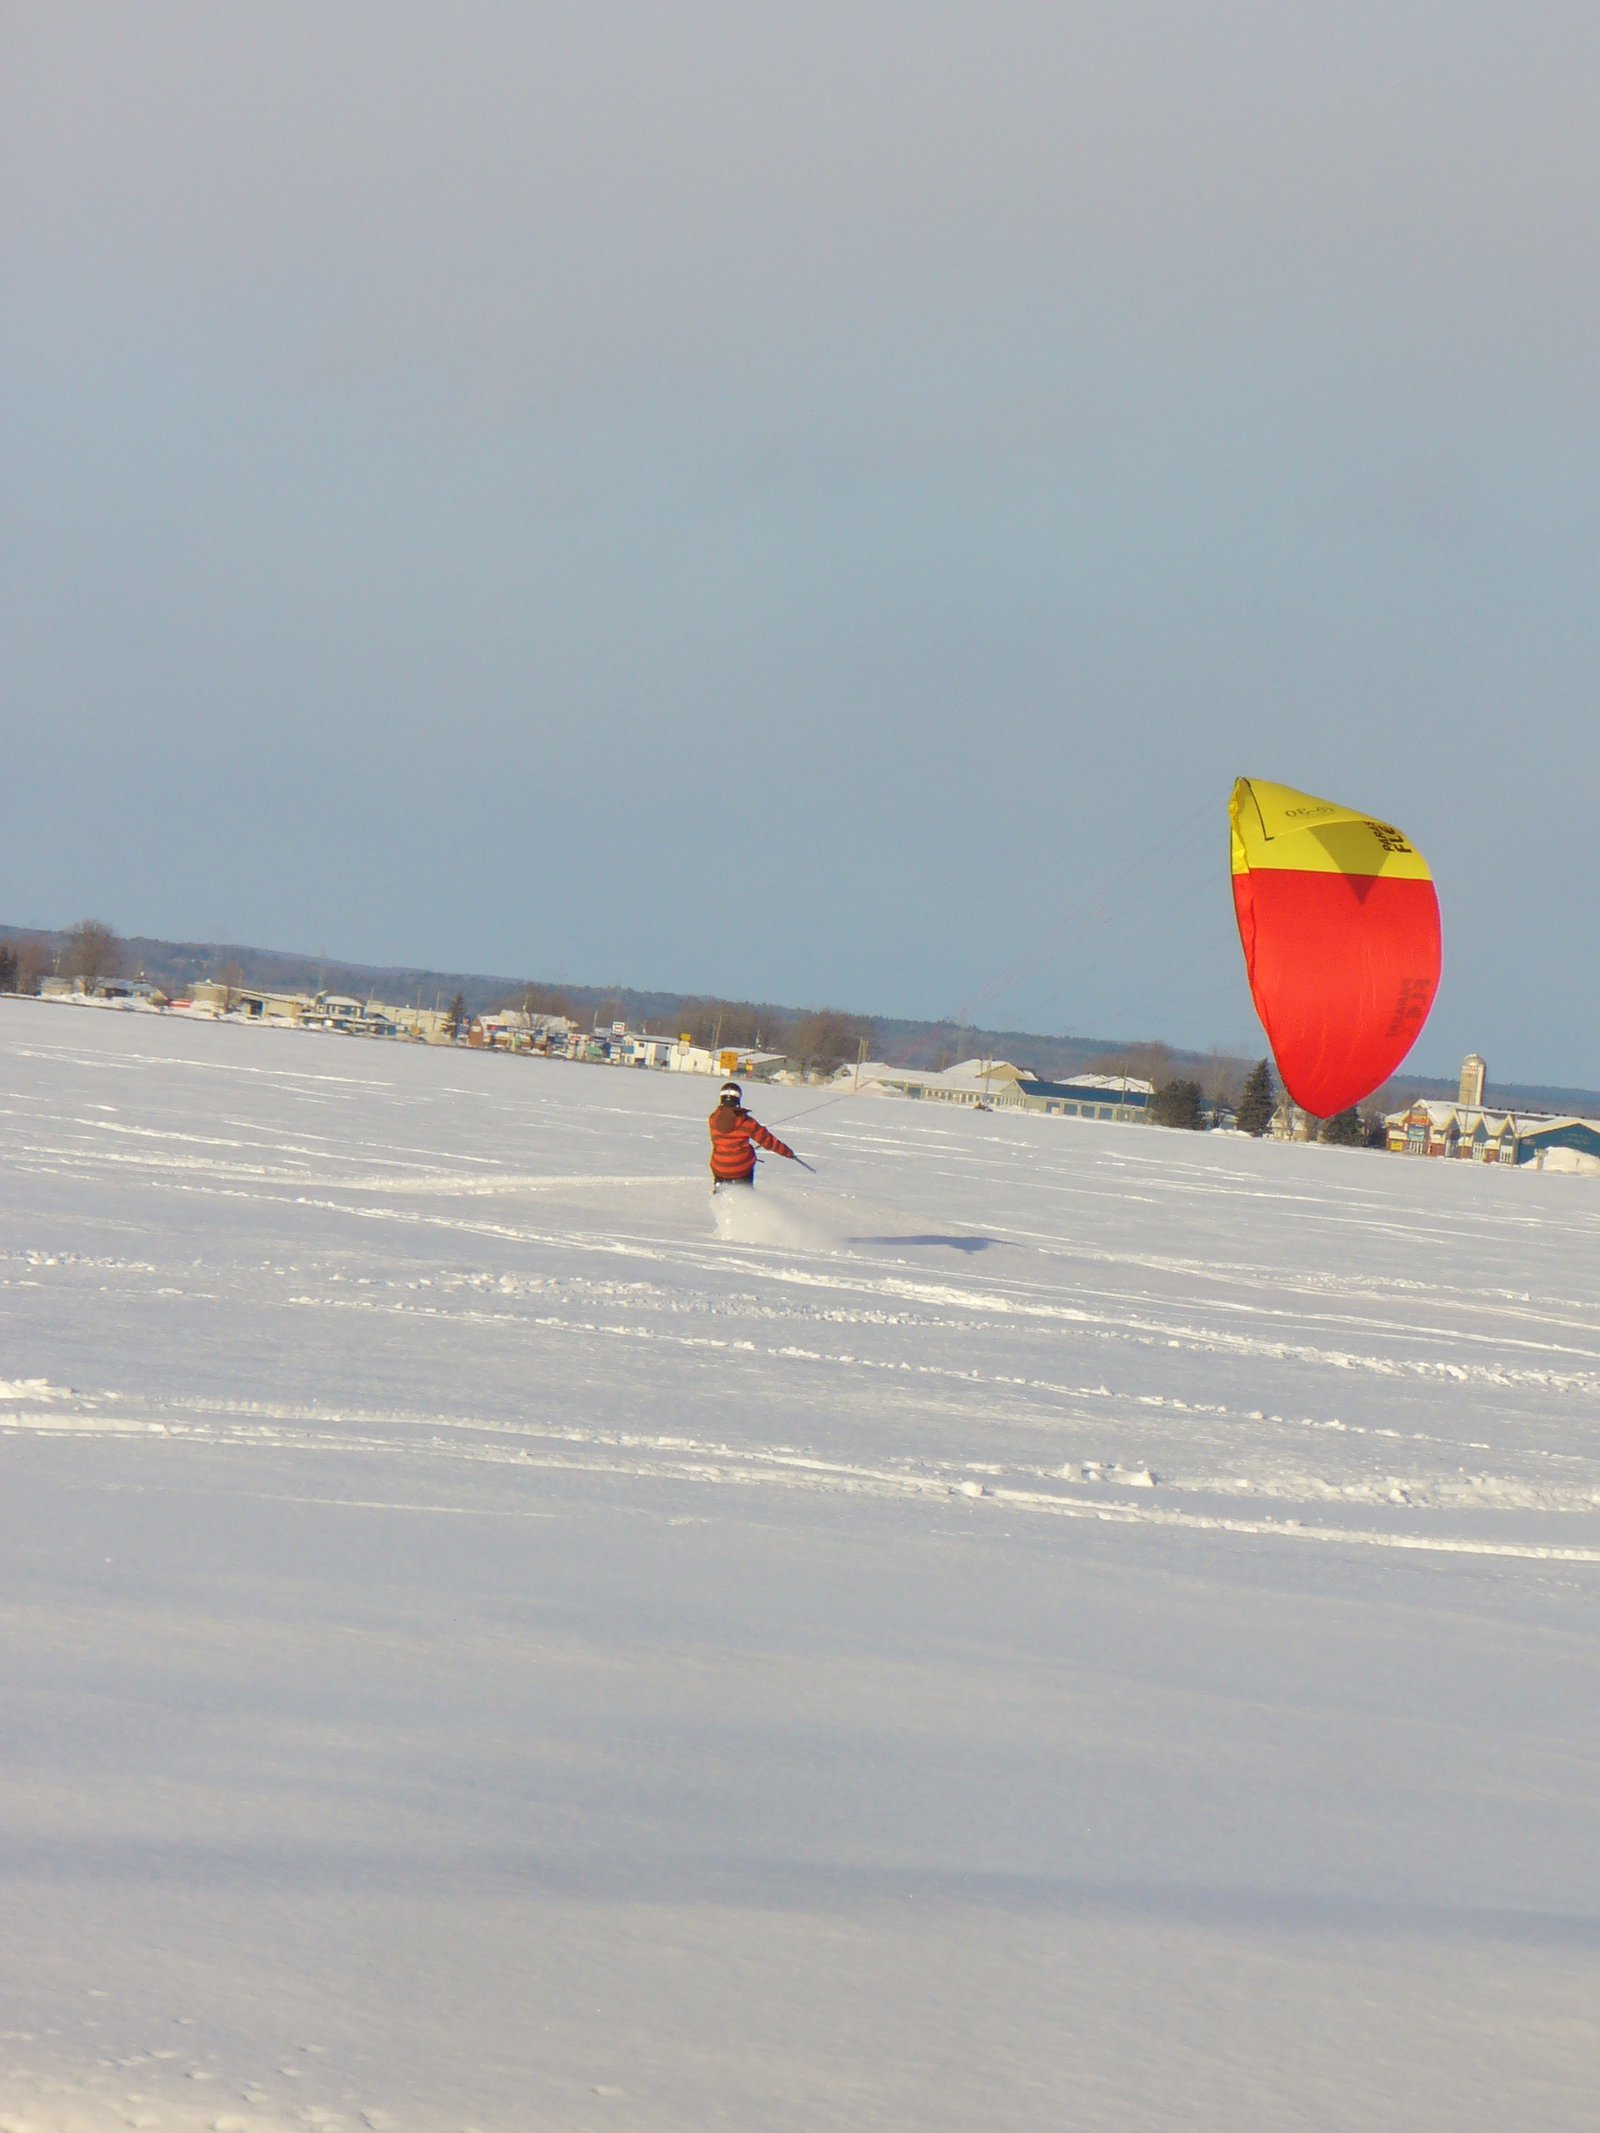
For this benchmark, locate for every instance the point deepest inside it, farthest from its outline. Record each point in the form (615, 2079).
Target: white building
(638, 1049)
(434, 1025)
(970, 1082)
(683, 1057)
(1003, 1086)
(210, 996)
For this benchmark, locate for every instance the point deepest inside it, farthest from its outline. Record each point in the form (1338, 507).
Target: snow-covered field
(1046, 1625)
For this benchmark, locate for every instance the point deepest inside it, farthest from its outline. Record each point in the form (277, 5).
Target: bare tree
(825, 1038)
(231, 978)
(33, 960)
(735, 1025)
(1222, 1079)
(1148, 1060)
(546, 1000)
(92, 953)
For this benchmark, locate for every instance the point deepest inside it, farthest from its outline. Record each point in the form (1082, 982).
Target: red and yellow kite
(1340, 926)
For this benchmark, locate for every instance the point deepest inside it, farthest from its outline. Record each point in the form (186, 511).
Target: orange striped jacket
(735, 1137)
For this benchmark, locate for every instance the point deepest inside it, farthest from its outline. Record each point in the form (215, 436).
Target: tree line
(1181, 1101)
(91, 951)
(819, 1040)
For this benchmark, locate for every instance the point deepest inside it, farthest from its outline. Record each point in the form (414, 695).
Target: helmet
(732, 1093)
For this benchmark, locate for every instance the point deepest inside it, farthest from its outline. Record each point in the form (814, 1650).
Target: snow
(1119, 1082)
(1575, 1161)
(966, 1074)
(1046, 1624)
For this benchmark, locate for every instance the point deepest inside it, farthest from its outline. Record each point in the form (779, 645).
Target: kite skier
(735, 1137)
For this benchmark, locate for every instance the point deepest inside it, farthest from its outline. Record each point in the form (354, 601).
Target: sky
(807, 502)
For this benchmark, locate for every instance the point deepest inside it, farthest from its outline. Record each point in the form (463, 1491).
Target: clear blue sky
(816, 501)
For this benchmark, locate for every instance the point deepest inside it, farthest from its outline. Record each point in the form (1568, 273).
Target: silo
(1473, 1071)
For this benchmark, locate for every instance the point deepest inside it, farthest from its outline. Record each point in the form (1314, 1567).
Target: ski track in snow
(442, 1296)
(1206, 1377)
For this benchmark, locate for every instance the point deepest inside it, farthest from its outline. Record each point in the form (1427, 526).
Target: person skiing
(735, 1137)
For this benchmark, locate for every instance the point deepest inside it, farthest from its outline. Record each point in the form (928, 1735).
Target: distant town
(1145, 1085)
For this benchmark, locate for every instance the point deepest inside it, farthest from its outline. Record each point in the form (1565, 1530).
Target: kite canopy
(1340, 927)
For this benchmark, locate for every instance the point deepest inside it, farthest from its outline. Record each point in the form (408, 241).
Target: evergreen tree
(1178, 1103)
(1255, 1105)
(1346, 1129)
(458, 1015)
(9, 969)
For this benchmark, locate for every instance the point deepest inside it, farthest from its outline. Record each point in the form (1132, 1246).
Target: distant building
(433, 1025)
(1471, 1133)
(210, 996)
(686, 1057)
(1470, 1091)
(636, 1048)
(286, 1007)
(335, 1010)
(970, 1082)
(121, 992)
(1110, 1096)
(976, 1081)
(515, 1029)
(1004, 1086)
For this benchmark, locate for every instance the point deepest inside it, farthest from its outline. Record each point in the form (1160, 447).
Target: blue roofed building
(1476, 1134)
(1112, 1096)
(998, 1085)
